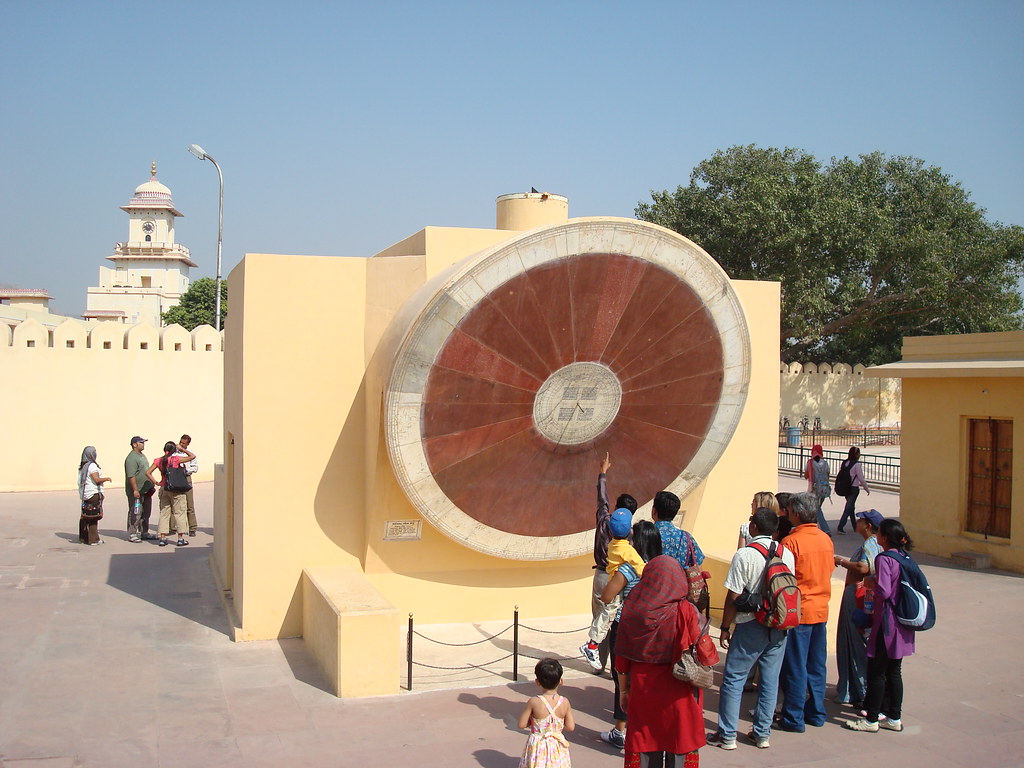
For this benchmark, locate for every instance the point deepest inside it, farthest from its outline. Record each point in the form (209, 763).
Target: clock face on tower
(148, 227)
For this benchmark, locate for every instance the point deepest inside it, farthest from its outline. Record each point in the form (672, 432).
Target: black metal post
(408, 656)
(515, 645)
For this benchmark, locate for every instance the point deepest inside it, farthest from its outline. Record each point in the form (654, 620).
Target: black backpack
(843, 483)
(914, 607)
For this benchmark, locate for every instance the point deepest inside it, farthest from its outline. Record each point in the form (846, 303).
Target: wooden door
(990, 462)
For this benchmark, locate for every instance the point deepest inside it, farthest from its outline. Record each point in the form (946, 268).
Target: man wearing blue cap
(619, 551)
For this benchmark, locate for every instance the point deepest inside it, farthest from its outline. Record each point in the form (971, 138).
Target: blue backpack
(914, 607)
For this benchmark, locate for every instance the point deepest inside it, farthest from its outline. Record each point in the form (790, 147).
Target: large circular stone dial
(523, 364)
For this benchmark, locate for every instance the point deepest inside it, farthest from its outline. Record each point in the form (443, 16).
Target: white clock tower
(150, 270)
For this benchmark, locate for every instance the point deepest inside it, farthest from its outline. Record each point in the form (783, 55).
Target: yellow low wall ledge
(351, 630)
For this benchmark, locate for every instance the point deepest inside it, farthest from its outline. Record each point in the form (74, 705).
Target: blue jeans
(822, 523)
(803, 670)
(751, 643)
(849, 510)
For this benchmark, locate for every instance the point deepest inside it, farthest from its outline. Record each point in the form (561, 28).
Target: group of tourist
(177, 505)
(644, 613)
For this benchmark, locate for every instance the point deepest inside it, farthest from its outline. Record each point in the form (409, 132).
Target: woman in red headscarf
(818, 475)
(666, 716)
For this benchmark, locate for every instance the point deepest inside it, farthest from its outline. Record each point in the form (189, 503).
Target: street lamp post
(199, 152)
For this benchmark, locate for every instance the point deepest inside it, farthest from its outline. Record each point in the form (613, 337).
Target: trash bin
(793, 437)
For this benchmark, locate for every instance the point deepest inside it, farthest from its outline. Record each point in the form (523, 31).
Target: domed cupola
(151, 195)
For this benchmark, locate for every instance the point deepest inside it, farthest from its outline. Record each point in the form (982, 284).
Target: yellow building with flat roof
(962, 477)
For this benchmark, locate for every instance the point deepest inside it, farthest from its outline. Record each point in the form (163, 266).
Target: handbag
(176, 478)
(689, 668)
(697, 578)
(92, 507)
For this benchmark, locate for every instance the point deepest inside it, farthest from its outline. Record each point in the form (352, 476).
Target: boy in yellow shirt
(619, 551)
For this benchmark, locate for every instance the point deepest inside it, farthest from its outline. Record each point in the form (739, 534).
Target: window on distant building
(989, 468)
(147, 282)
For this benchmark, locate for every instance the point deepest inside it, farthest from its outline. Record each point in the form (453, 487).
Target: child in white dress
(547, 715)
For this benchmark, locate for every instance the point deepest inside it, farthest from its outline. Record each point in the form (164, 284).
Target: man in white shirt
(751, 642)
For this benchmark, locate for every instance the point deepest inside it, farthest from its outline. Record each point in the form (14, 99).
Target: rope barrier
(515, 625)
(463, 645)
(470, 666)
(555, 631)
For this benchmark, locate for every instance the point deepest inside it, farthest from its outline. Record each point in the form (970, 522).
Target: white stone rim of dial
(430, 317)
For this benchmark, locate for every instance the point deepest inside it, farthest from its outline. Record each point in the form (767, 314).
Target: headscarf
(656, 617)
(817, 452)
(88, 457)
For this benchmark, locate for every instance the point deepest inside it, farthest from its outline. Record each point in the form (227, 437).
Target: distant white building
(150, 270)
(20, 304)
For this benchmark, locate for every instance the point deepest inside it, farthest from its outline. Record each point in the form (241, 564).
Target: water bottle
(137, 509)
(869, 599)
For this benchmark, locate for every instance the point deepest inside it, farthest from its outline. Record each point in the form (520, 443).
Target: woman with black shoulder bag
(90, 491)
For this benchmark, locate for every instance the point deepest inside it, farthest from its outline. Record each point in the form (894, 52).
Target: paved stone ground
(118, 655)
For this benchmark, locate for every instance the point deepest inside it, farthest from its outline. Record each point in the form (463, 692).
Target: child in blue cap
(619, 551)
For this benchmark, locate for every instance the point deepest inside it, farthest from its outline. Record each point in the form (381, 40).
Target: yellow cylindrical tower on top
(527, 210)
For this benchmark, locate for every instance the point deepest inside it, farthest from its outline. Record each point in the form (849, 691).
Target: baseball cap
(620, 522)
(137, 439)
(873, 516)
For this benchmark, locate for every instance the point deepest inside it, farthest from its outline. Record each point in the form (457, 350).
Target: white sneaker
(891, 725)
(716, 739)
(592, 655)
(861, 725)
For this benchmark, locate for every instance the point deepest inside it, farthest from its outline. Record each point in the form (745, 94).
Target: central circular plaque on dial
(577, 403)
(518, 367)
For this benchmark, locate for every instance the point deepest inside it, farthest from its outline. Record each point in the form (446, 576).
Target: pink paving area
(118, 656)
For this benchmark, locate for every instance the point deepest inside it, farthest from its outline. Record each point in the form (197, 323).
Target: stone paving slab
(119, 655)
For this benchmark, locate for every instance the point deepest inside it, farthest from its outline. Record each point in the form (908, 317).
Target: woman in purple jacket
(890, 641)
(857, 482)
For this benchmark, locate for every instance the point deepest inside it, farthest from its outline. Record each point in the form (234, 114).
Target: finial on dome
(152, 170)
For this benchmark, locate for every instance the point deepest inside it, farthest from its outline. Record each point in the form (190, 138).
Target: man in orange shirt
(803, 667)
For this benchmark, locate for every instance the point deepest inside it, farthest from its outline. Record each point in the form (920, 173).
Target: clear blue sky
(342, 127)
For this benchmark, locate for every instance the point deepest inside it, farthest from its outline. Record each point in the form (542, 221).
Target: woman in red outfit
(666, 716)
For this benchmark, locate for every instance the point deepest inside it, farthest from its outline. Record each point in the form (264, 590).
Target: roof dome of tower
(152, 194)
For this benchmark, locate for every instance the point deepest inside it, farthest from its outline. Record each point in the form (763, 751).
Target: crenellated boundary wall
(839, 394)
(80, 384)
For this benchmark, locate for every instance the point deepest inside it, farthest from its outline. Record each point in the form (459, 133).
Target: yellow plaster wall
(839, 394)
(55, 400)
(297, 420)
(306, 413)
(933, 491)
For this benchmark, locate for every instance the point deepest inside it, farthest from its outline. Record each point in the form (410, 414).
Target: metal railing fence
(877, 470)
(860, 436)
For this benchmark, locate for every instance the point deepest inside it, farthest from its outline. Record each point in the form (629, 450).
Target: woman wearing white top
(90, 491)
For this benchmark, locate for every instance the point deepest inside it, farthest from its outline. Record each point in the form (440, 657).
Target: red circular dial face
(567, 360)
(518, 367)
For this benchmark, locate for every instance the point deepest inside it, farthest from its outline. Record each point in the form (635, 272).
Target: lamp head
(198, 151)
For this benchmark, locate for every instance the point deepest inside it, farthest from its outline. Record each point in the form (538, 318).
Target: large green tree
(867, 250)
(197, 305)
